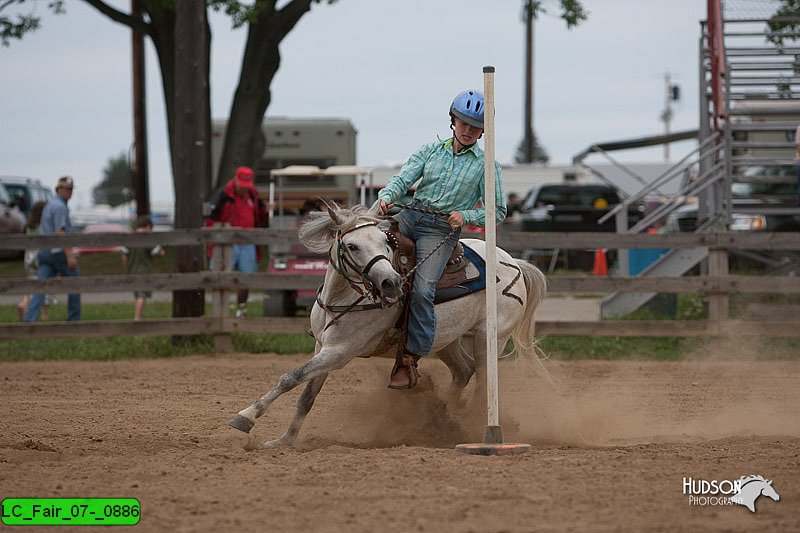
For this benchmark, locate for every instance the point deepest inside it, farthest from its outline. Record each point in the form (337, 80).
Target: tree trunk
(190, 141)
(141, 179)
(244, 141)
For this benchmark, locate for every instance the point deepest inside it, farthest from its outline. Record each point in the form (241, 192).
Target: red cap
(244, 175)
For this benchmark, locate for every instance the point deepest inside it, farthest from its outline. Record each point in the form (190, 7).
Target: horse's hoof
(241, 423)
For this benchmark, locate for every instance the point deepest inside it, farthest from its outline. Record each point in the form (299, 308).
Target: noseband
(343, 261)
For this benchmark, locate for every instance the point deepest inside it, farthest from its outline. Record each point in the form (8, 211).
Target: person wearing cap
(56, 261)
(239, 205)
(451, 183)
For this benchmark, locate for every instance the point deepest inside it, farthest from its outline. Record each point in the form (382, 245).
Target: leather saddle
(464, 274)
(457, 272)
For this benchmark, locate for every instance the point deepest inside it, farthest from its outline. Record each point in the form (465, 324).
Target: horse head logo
(751, 488)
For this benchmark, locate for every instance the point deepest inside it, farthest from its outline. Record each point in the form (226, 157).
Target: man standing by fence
(52, 261)
(238, 204)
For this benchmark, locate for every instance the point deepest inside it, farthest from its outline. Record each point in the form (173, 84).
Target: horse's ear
(338, 221)
(375, 210)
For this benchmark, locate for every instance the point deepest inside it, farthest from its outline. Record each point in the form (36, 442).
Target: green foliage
(540, 154)
(17, 26)
(572, 11)
(116, 187)
(783, 30)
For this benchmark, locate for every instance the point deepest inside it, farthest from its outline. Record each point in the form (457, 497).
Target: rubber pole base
(493, 449)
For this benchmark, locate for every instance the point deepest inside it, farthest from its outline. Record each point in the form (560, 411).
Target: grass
(686, 307)
(133, 347)
(613, 348)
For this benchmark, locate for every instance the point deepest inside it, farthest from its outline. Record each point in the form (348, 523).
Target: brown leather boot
(405, 375)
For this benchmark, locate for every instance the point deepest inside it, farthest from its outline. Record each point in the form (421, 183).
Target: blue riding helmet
(468, 106)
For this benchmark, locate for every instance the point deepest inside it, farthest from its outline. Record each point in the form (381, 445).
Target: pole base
(493, 444)
(493, 449)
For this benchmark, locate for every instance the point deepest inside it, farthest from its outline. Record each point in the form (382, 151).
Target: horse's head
(768, 491)
(360, 249)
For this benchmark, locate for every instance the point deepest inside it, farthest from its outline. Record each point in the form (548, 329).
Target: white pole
(491, 254)
(493, 434)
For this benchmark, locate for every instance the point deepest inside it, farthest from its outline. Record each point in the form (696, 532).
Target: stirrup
(405, 375)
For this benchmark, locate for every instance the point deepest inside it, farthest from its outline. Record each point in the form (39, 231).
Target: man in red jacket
(240, 206)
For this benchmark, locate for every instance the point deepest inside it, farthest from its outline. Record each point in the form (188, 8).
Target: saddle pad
(476, 279)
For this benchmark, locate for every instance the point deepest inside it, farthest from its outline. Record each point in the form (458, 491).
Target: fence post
(221, 261)
(718, 300)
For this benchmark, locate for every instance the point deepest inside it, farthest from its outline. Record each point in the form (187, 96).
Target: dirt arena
(610, 447)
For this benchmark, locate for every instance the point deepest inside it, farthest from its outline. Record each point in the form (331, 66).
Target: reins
(342, 261)
(426, 211)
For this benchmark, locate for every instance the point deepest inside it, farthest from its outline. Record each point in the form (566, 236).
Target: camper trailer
(316, 142)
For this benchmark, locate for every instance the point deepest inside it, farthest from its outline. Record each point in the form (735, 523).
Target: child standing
(140, 261)
(31, 263)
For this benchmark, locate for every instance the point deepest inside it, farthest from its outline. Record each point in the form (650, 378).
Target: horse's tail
(524, 337)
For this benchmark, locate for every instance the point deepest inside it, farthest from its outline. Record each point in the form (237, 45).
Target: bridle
(342, 261)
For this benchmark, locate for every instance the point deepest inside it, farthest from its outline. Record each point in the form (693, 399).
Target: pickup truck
(571, 207)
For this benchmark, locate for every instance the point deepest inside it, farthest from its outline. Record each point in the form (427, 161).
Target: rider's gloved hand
(385, 207)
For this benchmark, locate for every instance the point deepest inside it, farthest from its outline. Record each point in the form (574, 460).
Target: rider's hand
(72, 262)
(385, 207)
(456, 219)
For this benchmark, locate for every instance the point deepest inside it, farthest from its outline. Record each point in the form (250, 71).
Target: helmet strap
(455, 139)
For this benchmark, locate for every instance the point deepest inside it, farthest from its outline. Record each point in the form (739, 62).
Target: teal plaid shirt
(450, 182)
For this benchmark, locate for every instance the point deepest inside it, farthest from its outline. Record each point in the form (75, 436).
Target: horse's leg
(461, 366)
(304, 405)
(320, 365)
(479, 356)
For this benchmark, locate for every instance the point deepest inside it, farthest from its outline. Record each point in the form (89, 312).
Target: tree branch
(289, 16)
(119, 16)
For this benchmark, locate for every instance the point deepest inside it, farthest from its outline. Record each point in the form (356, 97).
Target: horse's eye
(352, 247)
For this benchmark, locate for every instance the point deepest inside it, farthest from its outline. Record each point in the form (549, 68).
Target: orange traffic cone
(600, 267)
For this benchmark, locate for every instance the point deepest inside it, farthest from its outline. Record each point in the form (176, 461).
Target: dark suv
(26, 192)
(571, 207)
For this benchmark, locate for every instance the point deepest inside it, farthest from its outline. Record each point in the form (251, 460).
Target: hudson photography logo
(743, 491)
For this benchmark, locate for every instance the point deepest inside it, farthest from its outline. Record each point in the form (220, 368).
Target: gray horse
(361, 271)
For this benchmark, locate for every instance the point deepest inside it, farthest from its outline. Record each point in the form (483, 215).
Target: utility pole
(140, 165)
(530, 7)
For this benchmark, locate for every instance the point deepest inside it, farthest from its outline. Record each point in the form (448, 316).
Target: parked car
(12, 220)
(100, 228)
(26, 192)
(757, 206)
(748, 200)
(570, 207)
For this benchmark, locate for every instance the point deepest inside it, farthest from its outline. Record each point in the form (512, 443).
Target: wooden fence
(718, 284)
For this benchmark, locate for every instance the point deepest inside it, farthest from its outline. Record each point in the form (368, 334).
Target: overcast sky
(390, 66)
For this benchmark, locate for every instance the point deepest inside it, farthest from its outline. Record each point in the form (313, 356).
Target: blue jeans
(428, 231)
(244, 258)
(51, 264)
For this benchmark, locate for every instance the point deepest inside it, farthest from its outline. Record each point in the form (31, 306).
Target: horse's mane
(744, 480)
(319, 230)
